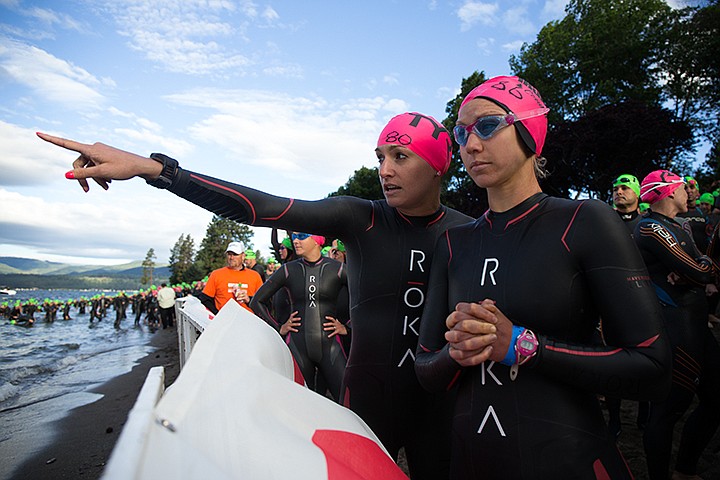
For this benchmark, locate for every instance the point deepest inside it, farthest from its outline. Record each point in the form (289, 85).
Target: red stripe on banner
(353, 457)
(298, 376)
(600, 471)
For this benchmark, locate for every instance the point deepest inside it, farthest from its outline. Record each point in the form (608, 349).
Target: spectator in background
(232, 282)
(626, 199)
(251, 263)
(166, 303)
(337, 252)
(693, 220)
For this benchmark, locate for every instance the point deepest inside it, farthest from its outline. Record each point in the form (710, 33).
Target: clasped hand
(478, 332)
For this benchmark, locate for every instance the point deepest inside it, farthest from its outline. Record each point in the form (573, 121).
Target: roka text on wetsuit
(388, 263)
(554, 266)
(313, 289)
(667, 247)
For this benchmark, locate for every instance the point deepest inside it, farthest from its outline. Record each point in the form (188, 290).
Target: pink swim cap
(659, 184)
(422, 134)
(516, 96)
(319, 239)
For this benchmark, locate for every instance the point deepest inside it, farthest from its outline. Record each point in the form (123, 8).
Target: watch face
(527, 344)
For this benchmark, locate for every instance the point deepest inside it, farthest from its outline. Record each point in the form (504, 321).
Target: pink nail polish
(70, 175)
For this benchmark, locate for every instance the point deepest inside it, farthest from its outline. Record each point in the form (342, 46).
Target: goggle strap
(530, 113)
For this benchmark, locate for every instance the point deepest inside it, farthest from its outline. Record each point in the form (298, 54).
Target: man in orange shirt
(234, 281)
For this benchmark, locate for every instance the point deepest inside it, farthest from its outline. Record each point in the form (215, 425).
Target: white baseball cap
(235, 247)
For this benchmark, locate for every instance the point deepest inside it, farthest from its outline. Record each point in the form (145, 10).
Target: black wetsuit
(313, 289)
(667, 247)
(695, 223)
(553, 266)
(388, 263)
(630, 219)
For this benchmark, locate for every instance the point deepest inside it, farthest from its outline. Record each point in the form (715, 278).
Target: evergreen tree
(182, 261)
(148, 267)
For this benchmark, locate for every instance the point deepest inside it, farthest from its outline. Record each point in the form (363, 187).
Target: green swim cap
(643, 207)
(629, 181)
(691, 182)
(325, 251)
(707, 198)
(287, 243)
(340, 245)
(250, 254)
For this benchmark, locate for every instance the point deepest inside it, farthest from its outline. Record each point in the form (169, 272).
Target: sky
(287, 97)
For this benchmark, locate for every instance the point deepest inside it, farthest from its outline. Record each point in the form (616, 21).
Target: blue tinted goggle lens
(484, 127)
(300, 236)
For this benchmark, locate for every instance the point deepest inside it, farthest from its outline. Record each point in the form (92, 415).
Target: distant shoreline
(72, 282)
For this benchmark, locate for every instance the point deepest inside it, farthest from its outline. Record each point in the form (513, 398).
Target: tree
(363, 183)
(220, 232)
(148, 267)
(691, 67)
(608, 56)
(182, 261)
(588, 153)
(602, 52)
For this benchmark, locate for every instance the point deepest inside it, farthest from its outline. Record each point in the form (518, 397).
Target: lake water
(48, 369)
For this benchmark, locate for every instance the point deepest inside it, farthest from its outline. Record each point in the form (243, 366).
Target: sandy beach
(83, 441)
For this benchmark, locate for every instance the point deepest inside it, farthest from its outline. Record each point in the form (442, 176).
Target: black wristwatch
(170, 167)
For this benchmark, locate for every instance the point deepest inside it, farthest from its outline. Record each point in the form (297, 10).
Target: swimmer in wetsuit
(389, 245)
(679, 273)
(313, 330)
(513, 302)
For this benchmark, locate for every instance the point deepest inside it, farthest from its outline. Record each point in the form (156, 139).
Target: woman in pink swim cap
(513, 303)
(414, 152)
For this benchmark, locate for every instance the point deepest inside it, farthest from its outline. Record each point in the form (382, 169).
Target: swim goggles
(487, 127)
(300, 236)
(625, 179)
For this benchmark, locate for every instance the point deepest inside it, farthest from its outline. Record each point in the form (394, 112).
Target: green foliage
(182, 261)
(220, 232)
(363, 183)
(608, 58)
(148, 266)
(630, 137)
(602, 52)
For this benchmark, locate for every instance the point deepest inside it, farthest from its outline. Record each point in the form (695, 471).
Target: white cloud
(513, 47)
(27, 160)
(554, 8)
(193, 37)
(516, 21)
(50, 77)
(304, 139)
(270, 14)
(472, 13)
(486, 46)
(391, 79)
(100, 224)
(288, 71)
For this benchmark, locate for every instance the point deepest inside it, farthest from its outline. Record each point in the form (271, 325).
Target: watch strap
(170, 167)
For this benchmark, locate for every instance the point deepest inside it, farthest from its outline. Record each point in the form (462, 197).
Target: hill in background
(18, 272)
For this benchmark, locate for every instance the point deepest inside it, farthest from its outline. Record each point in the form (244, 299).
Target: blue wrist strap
(510, 357)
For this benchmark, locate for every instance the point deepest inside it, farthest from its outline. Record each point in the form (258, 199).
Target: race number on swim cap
(516, 96)
(423, 135)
